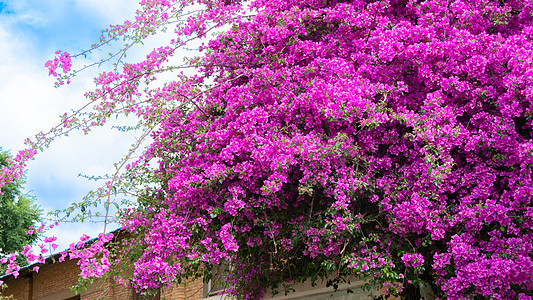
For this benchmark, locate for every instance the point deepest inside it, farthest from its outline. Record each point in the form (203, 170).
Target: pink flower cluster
(413, 260)
(63, 61)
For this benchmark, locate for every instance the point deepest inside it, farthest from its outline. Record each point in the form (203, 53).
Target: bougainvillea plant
(387, 140)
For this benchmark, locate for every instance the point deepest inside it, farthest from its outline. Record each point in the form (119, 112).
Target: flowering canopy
(389, 140)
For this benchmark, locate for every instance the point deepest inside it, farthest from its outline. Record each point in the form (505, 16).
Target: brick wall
(53, 281)
(18, 288)
(55, 278)
(50, 283)
(190, 291)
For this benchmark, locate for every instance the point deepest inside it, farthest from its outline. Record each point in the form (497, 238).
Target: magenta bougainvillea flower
(339, 135)
(390, 140)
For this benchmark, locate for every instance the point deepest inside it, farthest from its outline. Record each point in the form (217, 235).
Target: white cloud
(29, 103)
(35, 14)
(115, 11)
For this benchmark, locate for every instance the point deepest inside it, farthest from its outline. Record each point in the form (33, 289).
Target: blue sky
(30, 32)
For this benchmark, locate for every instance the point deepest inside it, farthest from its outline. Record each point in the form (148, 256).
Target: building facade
(54, 279)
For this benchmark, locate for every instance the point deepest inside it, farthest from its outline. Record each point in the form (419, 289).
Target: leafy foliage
(18, 212)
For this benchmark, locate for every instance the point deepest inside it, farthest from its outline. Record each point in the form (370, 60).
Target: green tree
(18, 212)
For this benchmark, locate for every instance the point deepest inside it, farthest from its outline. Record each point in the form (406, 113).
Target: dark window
(214, 286)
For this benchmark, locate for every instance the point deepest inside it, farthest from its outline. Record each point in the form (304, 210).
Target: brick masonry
(53, 281)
